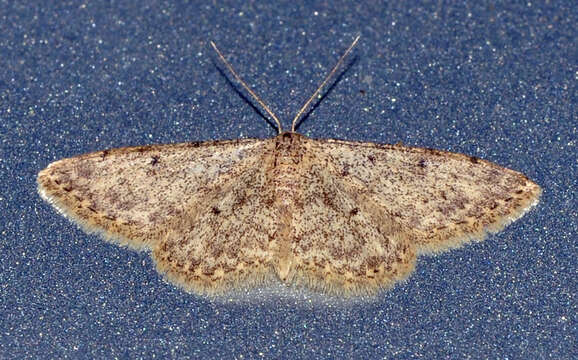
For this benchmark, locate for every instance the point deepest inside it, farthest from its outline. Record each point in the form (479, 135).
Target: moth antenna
(329, 76)
(246, 87)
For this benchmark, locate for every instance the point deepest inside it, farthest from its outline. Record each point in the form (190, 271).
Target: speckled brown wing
(130, 195)
(226, 237)
(442, 199)
(342, 242)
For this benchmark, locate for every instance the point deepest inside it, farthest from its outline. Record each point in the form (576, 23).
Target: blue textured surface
(490, 79)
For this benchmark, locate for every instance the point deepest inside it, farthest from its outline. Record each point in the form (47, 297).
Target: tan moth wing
(441, 199)
(130, 195)
(226, 237)
(341, 217)
(344, 243)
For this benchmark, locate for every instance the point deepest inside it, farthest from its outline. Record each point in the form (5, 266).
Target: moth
(340, 217)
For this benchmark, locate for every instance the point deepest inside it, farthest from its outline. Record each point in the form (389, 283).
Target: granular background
(496, 80)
